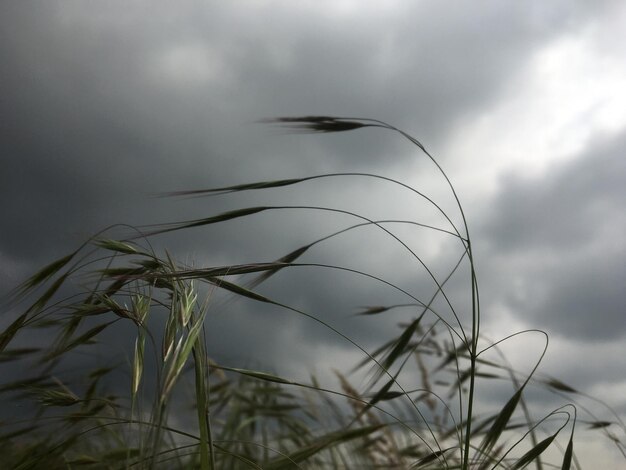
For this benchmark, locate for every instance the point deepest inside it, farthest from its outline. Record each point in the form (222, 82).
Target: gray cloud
(112, 103)
(106, 107)
(560, 240)
(568, 207)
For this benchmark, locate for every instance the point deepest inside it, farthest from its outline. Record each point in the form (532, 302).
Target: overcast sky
(105, 104)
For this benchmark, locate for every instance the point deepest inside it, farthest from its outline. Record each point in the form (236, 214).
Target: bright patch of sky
(189, 64)
(569, 94)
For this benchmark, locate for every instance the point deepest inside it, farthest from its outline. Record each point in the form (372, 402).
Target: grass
(179, 408)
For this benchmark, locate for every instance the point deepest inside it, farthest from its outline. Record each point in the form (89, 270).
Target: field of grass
(418, 407)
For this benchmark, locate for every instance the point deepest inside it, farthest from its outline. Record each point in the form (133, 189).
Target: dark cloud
(568, 207)
(110, 104)
(107, 104)
(560, 240)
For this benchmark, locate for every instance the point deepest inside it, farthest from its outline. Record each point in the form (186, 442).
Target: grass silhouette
(419, 408)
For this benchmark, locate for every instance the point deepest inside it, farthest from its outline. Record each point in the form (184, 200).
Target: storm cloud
(107, 104)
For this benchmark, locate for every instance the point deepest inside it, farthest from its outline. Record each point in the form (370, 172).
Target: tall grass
(171, 405)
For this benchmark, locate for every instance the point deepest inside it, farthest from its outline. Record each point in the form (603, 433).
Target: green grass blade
(567, 458)
(209, 220)
(400, 345)
(14, 354)
(425, 461)
(236, 289)
(319, 124)
(45, 273)
(85, 338)
(239, 187)
(259, 375)
(500, 423)
(281, 263)
(328, 440)
(41, 302)
(381, 395)
(138, 363)
(533, 453)
(117, 246)
(560, 386)
(181, 354)
(11, 330)
(600, 424)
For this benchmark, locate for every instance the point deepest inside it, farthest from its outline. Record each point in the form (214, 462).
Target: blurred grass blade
(239, 187)
(283, 263)
(240, 290)
(567, 458)
(120, 455)
(401, 343)
(321, 443)
(500, 423)
(54, 397)
(259, 375)
(17, 353)
(209, 220)
(425, 461)
(11, 330)
(373, 310)
(378, 396)
(43, 300)
(318, 124)
(85, 338)
(19, 432)
(533, 453)
(117, 246)
(560, 386)
(599, 424)
(45, 273)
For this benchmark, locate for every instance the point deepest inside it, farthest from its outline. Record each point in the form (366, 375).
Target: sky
(107, 104)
